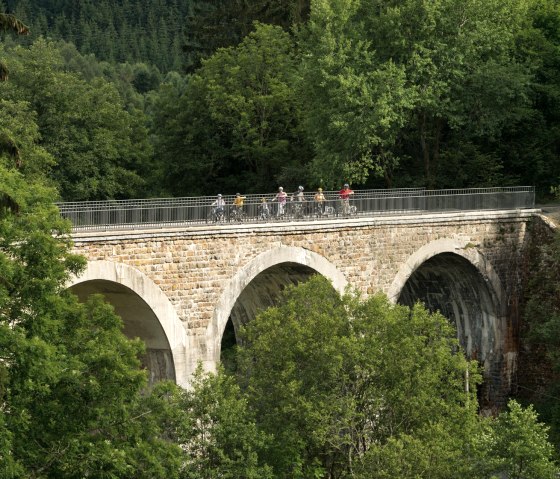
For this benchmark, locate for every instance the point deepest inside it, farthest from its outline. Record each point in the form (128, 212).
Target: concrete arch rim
(462, 248)
(154, 297)
(235, 286)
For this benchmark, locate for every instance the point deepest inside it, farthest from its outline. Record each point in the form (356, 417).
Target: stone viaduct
(181, 288)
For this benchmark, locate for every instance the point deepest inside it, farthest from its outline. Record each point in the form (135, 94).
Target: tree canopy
(365, 389)
(408, 93)
(236, 124)
(395, 83)
(98, 145)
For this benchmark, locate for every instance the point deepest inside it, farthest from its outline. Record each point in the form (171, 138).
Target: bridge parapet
(162, 212)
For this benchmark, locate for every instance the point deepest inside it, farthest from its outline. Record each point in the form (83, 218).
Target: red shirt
(345, 193)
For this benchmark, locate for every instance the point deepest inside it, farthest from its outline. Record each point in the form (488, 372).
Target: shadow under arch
(453, 277)
(146, 311)
(255, 286)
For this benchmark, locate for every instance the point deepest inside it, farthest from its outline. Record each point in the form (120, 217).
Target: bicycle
(320, 209)
(297, 210)
(281, 210)
(236, 214)
(264, 212)
(346, 209)
(216, 215)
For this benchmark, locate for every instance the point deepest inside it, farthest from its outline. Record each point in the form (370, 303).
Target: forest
(207, 97)
(124, 99)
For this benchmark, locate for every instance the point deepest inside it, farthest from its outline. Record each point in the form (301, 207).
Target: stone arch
(452, 276)
(165, 331)
(463, 248)
(287, 257)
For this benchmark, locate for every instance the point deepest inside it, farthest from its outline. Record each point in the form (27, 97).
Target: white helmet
(300, 188)
(280, 188)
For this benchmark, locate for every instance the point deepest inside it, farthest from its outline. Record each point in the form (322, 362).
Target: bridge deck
(380, 219)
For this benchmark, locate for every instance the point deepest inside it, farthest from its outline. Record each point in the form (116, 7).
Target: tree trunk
(425, 151)
(437, 141)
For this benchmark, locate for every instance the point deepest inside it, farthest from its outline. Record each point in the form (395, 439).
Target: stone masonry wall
(193, 266)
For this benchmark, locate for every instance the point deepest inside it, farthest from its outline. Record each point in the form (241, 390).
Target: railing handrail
(110, 214)
(198, 199)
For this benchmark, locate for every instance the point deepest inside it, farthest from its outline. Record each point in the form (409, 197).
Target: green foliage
(126, 31)
(440, 93)
(10, 22)
(218, 432)
(519, 447)
(235, 127)
(73, 397)
(350, 388)
(223, 23)
(389, 81)
(530, 149)
(335, 381)
(98, 146)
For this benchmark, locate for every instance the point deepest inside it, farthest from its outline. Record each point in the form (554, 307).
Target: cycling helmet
(300, 188)
(320, 189)
(280, 188)
(346, 185)
(219, 195)
(237, 194)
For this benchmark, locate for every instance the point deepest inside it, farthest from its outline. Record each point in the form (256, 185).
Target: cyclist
(238, 206)
(299, 197)
(319, 199)
(264, 210)
(281, 198)
(344, 195)
(218, 207)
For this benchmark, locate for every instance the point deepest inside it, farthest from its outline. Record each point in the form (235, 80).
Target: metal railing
(160, 212)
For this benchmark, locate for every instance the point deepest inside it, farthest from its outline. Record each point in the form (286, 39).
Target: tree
(345, 387)
(333, 379)
(99, 147)
(73, 399)
(519, 447)
(530, 148)
(236, 127)
(10, 22)
(218, 432)
(389, 82)
(90, 25)
(216, 24)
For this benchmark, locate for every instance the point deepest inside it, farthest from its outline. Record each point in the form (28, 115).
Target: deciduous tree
(393, 81)
(73, 399)
(333, 380)
(236, 127)
(352, 388)
(97, 144)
